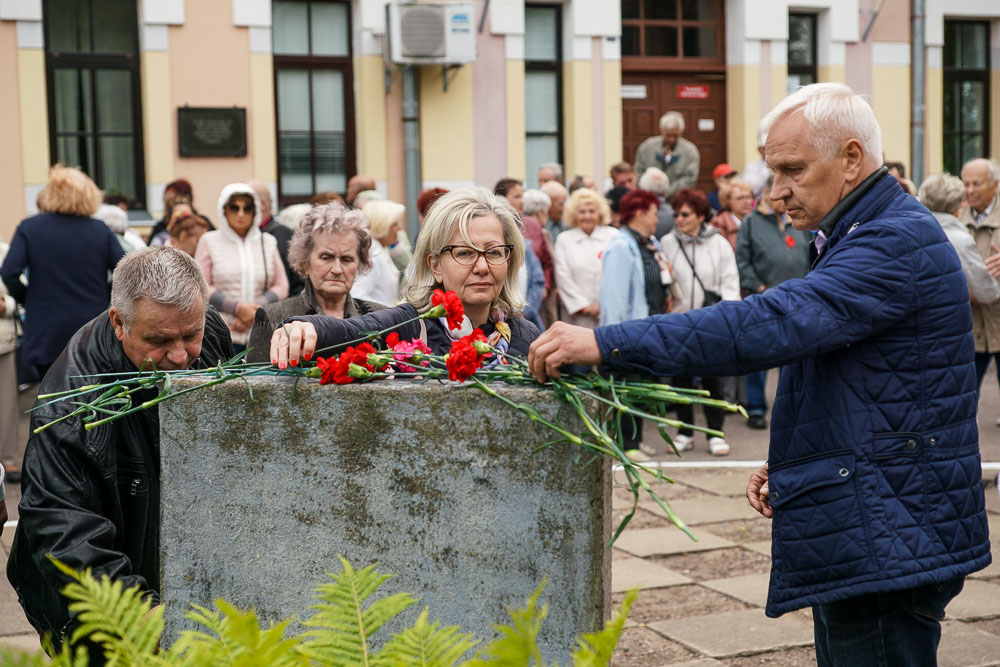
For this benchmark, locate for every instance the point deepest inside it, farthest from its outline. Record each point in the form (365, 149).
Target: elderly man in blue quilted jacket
(873, 479)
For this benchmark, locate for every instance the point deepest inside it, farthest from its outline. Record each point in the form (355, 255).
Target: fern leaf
(236, 639)
(594, 649)
(518, 642)
(425, 644)
(121, 620)
(342, 626)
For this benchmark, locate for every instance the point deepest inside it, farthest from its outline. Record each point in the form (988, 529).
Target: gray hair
(291, 216)
(655, 180)
(554, 189)
(114, 217)
(672, 120)
(364, 197)
(992, 167)
(451, 212)
(836, 114)
(332, 218)
(941, 193)
(162, 274)
(555, 168)
(381, 213)
(536, 201)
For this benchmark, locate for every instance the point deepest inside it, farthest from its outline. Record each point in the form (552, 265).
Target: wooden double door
(700, 97)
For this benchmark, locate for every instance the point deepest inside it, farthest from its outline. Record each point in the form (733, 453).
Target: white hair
(761, 134)
(836, 113)
(114, 217)
(553, 189)
(655, 180)
(291, 216)
(366, 196)
(381, 214)
(672, 120)
(555, 168)
(992, 167)
(536, 201)
(163, 274)
(942, 193)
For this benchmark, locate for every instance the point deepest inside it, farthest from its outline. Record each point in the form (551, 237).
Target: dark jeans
(982, 363)
(756, 401)
(883, 629)
(715, 417)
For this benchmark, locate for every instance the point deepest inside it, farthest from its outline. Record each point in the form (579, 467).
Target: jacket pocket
(820, 530)
(133, 495)
(898, 477)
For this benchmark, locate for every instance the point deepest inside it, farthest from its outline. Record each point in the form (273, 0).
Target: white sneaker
(637, 455)
(682, 443)
(718, 447)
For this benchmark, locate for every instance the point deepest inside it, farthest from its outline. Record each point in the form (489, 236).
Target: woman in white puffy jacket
(703, 261)
(241, 263)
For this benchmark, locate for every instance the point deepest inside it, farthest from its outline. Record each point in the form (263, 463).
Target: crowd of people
(594, 268)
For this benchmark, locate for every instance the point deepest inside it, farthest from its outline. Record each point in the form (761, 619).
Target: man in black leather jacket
(92, 498)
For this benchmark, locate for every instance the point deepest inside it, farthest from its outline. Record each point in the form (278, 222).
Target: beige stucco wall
(11, 173)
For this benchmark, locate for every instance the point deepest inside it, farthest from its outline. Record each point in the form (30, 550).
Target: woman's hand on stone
(291, 342)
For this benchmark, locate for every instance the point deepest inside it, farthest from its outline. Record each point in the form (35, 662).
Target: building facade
(300, 93)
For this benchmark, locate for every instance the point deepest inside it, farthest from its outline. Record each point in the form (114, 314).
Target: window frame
(638, 63)
(310, 63)
(90, 62)
(556, 67)
(952, 76)
(811, 70)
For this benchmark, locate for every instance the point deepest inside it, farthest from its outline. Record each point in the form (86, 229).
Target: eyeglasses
(467, 256)
(233, 207)
(685, 214)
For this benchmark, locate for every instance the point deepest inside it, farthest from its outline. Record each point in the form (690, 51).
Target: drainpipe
(411, 148)
(918, 83)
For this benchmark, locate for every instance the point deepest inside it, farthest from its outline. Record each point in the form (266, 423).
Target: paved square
(736, 632)
(965, 646)
(662, 541)
(978, 599)
(629, 573)
(724, 482)
(750, 588)
(707, 510)
(763, 547)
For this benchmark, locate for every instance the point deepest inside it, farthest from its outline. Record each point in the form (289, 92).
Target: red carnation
(453, 308)
(327, 367)
(464, 359)
(789, 241)
(392, 340)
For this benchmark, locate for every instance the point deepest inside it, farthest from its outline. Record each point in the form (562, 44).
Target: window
(676, 29)
(92, 72)
(966, 92)
(801, 51)
(315, 108)
(542, 89)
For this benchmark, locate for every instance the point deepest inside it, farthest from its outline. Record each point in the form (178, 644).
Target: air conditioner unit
(424, 33)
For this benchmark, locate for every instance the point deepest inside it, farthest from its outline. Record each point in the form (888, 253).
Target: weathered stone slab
(750, 588)
(965, 646)
(629, 573)
(978, 599)
(703, 662)
(736, 632)
(12, 620)
(27, 642)
(432, 482)
(763, 547)
(722, 482)
(662, 541)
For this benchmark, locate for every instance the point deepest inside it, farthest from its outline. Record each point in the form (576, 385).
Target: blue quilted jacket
(874, 465)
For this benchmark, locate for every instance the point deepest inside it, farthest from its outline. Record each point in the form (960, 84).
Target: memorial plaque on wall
(212, 131)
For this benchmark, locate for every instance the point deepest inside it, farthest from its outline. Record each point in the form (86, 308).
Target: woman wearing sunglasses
(241, 263)
(470, 244)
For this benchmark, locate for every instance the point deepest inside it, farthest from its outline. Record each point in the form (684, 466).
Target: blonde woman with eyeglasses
(470, 244)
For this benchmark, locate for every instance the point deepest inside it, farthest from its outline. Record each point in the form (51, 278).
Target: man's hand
(561, 344)
(758, 492)
(292, 341)
(993, 261)
(3, 514)
(245, 312)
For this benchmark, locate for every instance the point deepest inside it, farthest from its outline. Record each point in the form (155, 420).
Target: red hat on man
(722, 170)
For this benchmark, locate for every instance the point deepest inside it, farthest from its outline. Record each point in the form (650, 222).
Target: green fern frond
(236, 639)
(518, 642)
(343, 626)
(425, 644)
(121, 620)
(594, 649)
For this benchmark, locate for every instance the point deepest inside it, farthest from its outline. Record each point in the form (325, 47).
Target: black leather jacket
(92, 498)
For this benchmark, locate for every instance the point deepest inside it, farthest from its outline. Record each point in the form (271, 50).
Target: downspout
(411, 148)
(918, 83)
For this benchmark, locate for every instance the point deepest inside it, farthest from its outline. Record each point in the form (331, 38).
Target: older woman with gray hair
(331, 246)
(656, 181)
(943, 194)
(533, 216)
(470, 244)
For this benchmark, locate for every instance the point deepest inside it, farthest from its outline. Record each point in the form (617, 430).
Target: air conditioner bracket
(447, 74)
